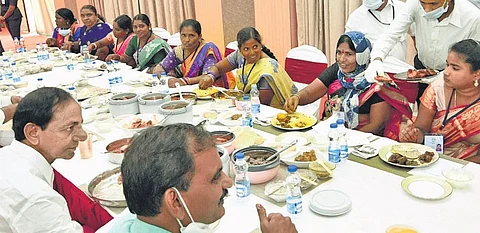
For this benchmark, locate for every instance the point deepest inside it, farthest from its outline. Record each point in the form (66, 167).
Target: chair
(174, 40)
(231, 47)
(162, 33)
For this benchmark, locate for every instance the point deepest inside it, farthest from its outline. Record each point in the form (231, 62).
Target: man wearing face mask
(373, 18)
(173, 182)
(438, 24)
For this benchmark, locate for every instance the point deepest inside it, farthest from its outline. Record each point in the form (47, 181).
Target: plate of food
(294, 121)
(205, 94)
(107, 189)
(91, 91)
(408, 155)
(302, 157)
(135, 123)
(416, 75)
(230, 118)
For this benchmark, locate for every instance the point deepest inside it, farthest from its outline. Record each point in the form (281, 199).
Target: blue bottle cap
(154, 76)
(163, 73)
(39, 79)
(71, 88)
(240, 155)
(333, 125)
(292, 168)
(340, 121)
(246, 97)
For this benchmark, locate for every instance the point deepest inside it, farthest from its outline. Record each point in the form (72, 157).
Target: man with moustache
(47, 126)
(173, 182)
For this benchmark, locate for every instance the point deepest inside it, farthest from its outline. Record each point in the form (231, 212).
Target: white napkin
(436, 168)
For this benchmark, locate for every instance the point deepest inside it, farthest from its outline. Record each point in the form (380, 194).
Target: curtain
(44, 16)
(320, 23)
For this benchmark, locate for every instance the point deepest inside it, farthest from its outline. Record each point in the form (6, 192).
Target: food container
(186, 95)
(263, 172)
(116, 150)
(176, 111)
(225, 157)
(149, 103)
(233, 95)
(458, 177)
(123, 104)
(107, 190)
(133, 124)
(225, 139)
(320, 171)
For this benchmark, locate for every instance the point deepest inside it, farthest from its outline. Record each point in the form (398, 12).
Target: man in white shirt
(8, 106)
(438, 24)
(373, 18)
(47, 126)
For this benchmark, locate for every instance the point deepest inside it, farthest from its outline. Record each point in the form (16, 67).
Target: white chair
(231, 47)
(174, 40)
(162, 33)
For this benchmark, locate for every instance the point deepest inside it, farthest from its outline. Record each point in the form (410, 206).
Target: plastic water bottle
(255, 100)
(39, 52)
(247, 120)
(112, 83)
(46, 55)
(15, 77)
(86, 54)
(163, 83)
(21, 44)
(16, 42)
(7, 71)
(118, 75)
(155, 84)
(72, 92)
(70, 66)
(242, 182)
(40, 83)
(342, 140)
(333, 146)
(294, 194)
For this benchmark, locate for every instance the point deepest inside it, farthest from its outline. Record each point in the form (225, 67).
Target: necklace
(116, 44)
(245, 79)
(393, 15)
(140, 49)
(445, 120)
(183, 55)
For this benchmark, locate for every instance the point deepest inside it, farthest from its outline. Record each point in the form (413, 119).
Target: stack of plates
(330, 202)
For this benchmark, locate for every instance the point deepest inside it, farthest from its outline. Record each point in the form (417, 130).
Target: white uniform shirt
(28, 201)
(361, 20)
(433, 38)
(4, 101)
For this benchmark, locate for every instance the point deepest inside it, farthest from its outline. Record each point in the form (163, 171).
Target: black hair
(344, 38)
(159, 158)
(192, 23)
(92, 8)
(66, 14)
(248, 33)
(38, 107)
(470, 50)
(124, 22)
(144, 18)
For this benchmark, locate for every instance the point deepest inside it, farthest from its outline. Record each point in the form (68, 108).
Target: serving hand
(274, 222)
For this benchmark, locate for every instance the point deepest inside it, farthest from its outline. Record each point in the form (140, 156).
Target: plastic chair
(231, 47)
(162, 33)
(174, 40)
(305, 63)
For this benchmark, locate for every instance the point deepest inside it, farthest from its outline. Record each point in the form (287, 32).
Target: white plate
(427, 187)
(92, 74)
(225, 118)
(289, 157)
(330, 202)
(303, 138)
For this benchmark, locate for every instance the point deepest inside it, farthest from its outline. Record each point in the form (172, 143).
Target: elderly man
(173, 182)
(438, 24)
(373, 18)
(47, 126)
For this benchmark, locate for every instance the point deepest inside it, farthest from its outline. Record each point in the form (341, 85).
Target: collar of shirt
(140, 226)
(44, 169)
(454, 18)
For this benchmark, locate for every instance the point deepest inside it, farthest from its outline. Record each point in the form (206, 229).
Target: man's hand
(9, 111)
(15, 99)
(374, 69)
(274, 223)
(2, 18)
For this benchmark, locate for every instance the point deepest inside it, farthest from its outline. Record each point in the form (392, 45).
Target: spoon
(179, 92)
(322, 163)
(228, 96)
(306, 179)
(282, 150)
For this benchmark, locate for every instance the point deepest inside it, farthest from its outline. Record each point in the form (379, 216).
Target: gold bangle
(297, 95)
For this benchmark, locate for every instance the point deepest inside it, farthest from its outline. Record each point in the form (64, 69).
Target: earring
(475, 83)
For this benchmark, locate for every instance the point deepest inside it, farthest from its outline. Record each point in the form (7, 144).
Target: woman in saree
(120, 36)
(451, 107)
(367, 106)
(145, 49)
(188, 62)
(256, 65)
(66, 30)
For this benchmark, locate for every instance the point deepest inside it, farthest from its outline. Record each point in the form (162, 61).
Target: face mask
(372, 4)
(193, 227)
(64, 31)
(437, 13)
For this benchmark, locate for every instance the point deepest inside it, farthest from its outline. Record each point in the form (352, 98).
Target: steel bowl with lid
(176, 111)
(149, 103)
(259, 171)
(123, 104)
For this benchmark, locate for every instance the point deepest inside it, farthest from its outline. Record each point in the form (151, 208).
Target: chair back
(231, 47)
(305, 63)
(162, 33)
(174, 40)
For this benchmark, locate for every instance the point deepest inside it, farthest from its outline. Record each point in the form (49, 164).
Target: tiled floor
(30, 40)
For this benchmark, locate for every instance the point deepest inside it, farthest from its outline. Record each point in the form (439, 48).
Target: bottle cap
(254, 85)
(340, 121)
(163, 73)
(292, 168)
(333, 125)
(39, 79)
(71, 88)
(240, 155)
(246, 97)
(154, 76)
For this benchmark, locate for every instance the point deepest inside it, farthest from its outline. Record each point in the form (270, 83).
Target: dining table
(373, 185)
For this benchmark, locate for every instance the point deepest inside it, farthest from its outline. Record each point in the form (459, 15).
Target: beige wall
(210, 17)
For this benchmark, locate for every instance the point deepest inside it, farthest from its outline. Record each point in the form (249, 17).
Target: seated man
(47, 126)
(176, 188)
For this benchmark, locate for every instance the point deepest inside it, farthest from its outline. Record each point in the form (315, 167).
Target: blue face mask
(437, 13)
(372, 4)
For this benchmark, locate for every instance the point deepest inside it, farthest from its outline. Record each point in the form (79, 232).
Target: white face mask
(64, 31)
(372, 4)
(193, 227)
(437, 13)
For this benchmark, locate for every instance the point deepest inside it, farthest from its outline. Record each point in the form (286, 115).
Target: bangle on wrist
(211, 76)
(94, 45)
(297, 95)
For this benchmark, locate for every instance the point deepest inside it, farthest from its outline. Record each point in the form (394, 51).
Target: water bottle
(21, 44)
(15, 77)
(333, 146)
(46, 55)
(39, 52)
(242, 182)
(112, 83)
(163, 84)
(70, 66)
(16, 42)
(7, 71)
(86, 55)
(72, 92)
(118, 75)
(255, 100)
(342, 140)
(155, 84)
(247, 120)
(40, 83)
(294, 194)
